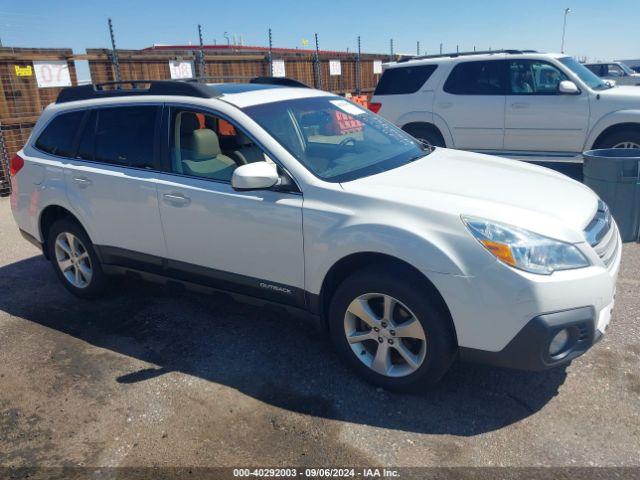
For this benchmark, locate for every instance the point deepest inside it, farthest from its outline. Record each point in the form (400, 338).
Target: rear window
(477, 78)
(402, 80)
(59, 137)
(120, 136)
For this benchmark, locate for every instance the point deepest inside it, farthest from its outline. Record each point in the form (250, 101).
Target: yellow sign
(25, 71)
(305, 42)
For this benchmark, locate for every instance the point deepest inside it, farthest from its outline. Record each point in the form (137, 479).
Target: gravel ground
(152, 377)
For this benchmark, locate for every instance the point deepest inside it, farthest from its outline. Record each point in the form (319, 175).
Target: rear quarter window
(404, 80)
(59, 136)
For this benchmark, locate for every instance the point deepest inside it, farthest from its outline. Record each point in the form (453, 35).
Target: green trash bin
(614, 174)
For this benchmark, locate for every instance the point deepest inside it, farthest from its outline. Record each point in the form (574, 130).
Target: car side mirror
(567, 87)
(255, 176)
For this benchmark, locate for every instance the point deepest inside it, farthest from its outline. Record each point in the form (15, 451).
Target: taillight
(17, 162)
(375, 106)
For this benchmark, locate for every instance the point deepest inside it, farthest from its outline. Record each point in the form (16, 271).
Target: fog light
(559, 342)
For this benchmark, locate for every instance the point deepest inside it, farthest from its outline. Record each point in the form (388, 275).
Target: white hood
(509, 191)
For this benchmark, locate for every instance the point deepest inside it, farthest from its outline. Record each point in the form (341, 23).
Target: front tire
(74, 259)
(627, 138)
(390, 331)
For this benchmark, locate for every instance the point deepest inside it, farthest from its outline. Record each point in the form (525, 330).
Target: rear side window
(58, 138)
(597, 69)
(403, 80)
(120, 136)
(477, 78)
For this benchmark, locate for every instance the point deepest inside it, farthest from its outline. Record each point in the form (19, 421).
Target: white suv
(518, 104)
(409, 256)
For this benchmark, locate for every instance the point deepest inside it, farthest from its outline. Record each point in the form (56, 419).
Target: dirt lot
(151, 377)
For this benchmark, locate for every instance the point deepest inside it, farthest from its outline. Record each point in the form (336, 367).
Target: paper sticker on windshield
(348, 107)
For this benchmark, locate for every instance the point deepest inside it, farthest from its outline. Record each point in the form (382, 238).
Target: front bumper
(529, 349)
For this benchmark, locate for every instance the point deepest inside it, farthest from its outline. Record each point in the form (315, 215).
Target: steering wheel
(347, 141)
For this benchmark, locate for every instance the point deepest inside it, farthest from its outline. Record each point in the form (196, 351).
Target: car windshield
(626, 68)
(336, 139)
(586, 75)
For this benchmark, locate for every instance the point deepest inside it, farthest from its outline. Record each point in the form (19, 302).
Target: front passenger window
(532, 77)
(206, 146)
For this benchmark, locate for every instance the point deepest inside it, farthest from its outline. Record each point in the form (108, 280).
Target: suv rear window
(402, 80)
(477, 78)
(120, 136)
(58, 138)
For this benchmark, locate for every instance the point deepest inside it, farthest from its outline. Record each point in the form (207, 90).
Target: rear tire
(74, 259)
(416, 354)
(425, 133)
(627, 138)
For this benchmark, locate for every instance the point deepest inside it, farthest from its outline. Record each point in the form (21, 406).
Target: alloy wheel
(385, 335)
(627, 145)
(73, 260)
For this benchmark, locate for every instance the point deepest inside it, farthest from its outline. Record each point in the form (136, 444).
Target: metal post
(567, 11)
(457, 50)
(440, 49)
(317, 65)
(201, 64)
(114, 52)
(418, 48)
(391, 50)
(270, 54)
(358, 71)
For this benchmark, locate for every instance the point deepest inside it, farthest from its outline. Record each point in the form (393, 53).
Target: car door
(539, 118)
(111, 182)
(471, 103)
(248, 242)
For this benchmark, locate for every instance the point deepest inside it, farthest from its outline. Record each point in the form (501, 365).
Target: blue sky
(596, 29)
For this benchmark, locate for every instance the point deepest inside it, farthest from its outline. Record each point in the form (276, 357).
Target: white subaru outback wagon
(518, 104)
(410, 256)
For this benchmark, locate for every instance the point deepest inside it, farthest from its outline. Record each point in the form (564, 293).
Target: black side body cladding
(196, 274)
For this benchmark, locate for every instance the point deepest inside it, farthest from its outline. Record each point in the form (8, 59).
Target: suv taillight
(375, 106)
(17, 162)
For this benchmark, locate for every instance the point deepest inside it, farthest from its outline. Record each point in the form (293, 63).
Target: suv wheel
(389, 331)
(622, 139)
(74, 259)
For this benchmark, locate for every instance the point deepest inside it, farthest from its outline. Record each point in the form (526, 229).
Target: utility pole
(567, 11)
(114, 52)
(418, 48)
(270, 54)
(391, 50)
(317, 62)
(440, 49)
(201, 64)
(358, 70)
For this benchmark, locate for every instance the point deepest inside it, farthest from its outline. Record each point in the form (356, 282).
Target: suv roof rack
(464, 54)
(284, 81)
(155, 87)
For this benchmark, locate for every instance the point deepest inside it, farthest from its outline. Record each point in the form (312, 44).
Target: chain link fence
(31, 78)
(23, 95)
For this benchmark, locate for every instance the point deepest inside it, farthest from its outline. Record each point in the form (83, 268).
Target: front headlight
(523, 249)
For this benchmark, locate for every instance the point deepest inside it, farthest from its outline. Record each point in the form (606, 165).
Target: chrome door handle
(82, 182)
(176, 199)
(520, 105)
